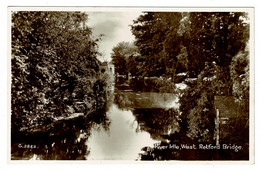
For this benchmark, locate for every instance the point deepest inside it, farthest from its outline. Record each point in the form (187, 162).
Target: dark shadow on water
(65, 141)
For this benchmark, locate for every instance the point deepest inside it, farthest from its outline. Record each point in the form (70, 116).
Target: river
(135, 119)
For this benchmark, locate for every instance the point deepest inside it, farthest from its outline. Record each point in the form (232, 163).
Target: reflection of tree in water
(164, 125)
(157, 121)
(122, 100)
(65, 141)
(130, 100)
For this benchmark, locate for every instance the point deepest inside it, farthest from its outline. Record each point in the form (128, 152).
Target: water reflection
(126, 128)
(64, 141)
(122, 142)
(129, 100)
(158, 122)
(138, 120)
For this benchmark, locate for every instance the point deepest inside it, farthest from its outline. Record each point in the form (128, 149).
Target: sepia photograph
(131, 84)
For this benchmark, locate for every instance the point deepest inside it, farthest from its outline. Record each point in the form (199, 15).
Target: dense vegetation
(210, 48)
(55, 73)
(54, 67)
(123, 55)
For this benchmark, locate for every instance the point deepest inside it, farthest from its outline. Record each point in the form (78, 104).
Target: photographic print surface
(135, 84)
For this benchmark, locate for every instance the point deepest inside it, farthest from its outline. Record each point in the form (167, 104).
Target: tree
(149, 42)
(158, 40)
(122, 53)
(216, 37)
(220, 39)
(53, 63)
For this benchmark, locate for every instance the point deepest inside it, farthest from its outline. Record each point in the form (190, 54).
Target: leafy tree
(149, 42)
(221, 39)
(122, 54)
(53, 63)
(158, 40)
(216, 37)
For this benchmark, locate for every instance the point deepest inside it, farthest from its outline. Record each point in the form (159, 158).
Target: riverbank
(79, 107)
(165, 85)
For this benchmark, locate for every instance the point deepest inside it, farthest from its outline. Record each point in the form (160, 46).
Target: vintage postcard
(131, 84)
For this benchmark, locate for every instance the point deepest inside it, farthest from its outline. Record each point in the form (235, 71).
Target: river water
(134, 120)
(128, 132)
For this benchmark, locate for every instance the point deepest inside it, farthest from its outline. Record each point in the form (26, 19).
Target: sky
(115, 28)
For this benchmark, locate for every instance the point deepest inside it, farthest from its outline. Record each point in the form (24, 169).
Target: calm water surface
(122, 141)
(126, 136)
(134, 120)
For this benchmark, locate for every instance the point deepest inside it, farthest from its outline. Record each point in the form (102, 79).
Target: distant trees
(124, 58)
(208, 46)
(53, 62)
